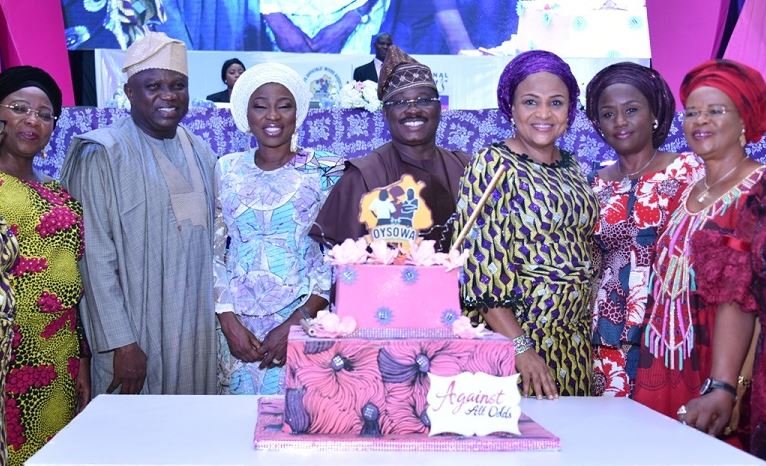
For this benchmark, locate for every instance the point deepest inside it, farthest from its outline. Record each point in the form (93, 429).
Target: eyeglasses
(421, 102)
(43, 115)
(711, 112)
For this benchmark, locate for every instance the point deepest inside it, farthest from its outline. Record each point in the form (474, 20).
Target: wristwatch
(712, 384)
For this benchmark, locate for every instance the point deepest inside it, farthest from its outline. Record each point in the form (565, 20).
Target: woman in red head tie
(690, 361)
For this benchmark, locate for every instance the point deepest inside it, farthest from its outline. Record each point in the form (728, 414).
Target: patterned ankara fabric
(272, 266)
(539, 222)
(631, 219)
(9, 249)
(40, 395)
(686, 286)
(755, 217)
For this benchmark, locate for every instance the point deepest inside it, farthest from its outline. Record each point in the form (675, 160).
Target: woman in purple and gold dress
(529, 272)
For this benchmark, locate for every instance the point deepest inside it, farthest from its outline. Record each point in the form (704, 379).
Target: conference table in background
(352, 133)
(218, 430)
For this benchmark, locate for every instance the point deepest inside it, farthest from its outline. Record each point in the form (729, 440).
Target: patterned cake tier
(378, 386)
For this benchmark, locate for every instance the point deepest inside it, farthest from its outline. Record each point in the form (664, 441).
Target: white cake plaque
(474, 404)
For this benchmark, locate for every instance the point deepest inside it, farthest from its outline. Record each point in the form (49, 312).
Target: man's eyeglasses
(421, 102)
(44, 115)
(711, 112)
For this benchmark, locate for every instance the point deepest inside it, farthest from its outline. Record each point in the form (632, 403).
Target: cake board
(270, 436)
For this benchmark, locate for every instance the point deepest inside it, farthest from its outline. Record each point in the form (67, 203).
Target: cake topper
(396, 213)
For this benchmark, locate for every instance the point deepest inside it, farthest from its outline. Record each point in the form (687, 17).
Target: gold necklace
(703, 195)
(625, 182)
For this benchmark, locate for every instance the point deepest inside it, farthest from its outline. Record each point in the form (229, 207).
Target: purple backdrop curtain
(353, 133)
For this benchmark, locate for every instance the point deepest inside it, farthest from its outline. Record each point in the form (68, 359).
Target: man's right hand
(243, 345)
(129, 370)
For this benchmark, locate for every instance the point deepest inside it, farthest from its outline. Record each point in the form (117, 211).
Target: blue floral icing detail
(410, 275)
(635, 22)
(449, 316)
(384, 315)
(347, 275)
(547, 19)
(520, 8)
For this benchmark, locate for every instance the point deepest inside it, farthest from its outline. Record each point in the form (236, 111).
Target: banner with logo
(464, 82)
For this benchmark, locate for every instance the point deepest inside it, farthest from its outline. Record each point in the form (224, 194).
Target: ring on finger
(276, 361)
(681, 411)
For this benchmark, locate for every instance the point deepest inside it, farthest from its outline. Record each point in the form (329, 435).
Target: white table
(218, 430)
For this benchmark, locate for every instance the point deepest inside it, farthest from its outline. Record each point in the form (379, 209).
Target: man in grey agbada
(146, 185)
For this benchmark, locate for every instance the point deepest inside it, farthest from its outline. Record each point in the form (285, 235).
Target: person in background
(412, 111)
(696, 337)
(9, 250)
(632, 107)
(529, 270)
(49, 376)
(231, 70)
(272, 275)
(146, 184)
(371, 71)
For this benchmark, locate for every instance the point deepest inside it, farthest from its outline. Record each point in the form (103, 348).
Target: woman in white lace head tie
(272, 275)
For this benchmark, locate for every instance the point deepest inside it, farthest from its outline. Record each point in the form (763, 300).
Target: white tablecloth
(218, 430)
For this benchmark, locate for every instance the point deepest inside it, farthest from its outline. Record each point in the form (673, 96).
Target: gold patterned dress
(9, 248)
(531, 251)
(40, 395)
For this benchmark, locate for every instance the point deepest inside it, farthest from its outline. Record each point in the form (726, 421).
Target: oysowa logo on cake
(397, 212)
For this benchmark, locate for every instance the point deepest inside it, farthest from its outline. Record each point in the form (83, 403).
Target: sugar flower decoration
(329, 325)
(423, 253)
(462, 328)
(381, 253)
(348, 252)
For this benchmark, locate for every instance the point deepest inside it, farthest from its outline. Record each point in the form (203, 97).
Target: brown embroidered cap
(400, 71)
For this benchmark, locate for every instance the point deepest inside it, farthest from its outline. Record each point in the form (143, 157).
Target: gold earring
(655, 124)
(742, 138)
(294, 143)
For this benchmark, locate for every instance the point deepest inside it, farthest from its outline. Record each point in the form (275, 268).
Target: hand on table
(129, 369)
(536, 376)
(709, 413)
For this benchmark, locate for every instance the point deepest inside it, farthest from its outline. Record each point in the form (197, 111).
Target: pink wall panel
(684, 33)
(32, 33)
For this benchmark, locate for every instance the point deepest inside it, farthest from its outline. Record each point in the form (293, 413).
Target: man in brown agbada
(146, 185)
(412, 111)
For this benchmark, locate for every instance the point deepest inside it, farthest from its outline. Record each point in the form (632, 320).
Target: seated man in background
(370, 71)
(412, 110)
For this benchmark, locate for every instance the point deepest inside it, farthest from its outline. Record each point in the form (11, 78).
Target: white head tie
(264, 73)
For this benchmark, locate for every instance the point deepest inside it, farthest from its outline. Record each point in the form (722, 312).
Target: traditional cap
(400, 71)
(264, 73)
(742, 84)
(19, 77)
(156, 51)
